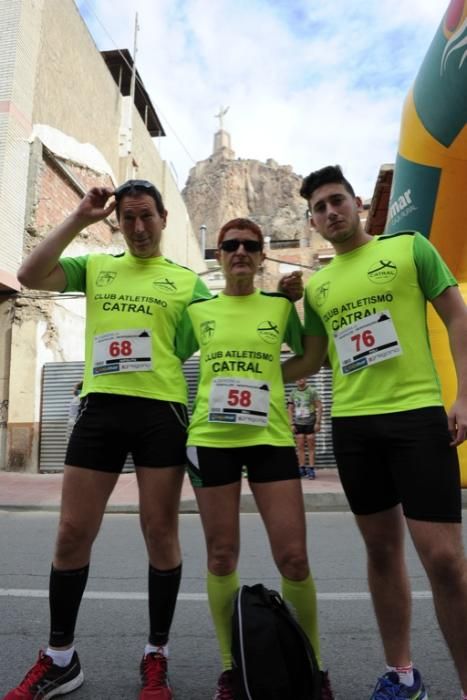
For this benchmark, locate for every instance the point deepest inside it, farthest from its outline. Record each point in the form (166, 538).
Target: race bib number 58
(236, 400)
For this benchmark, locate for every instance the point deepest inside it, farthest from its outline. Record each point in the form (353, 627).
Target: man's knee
(160, 534)
(293, 564)
(383, 553)
(446, 567)
(222, 557)
(73, 539)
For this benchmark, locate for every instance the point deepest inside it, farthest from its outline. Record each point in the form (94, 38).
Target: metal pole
(202, 239)
(129, 166)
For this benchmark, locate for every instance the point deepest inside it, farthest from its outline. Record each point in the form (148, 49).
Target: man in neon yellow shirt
(394, 445)
(133, 400)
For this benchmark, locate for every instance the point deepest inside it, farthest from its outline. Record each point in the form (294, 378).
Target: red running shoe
(326, 690)
(224, 687)
(46, 680)
(154, 680)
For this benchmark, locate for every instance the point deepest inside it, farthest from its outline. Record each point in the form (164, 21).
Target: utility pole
(129, 164)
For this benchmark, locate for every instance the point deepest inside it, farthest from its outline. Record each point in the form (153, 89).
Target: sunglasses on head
(233, 244)
(131, 185)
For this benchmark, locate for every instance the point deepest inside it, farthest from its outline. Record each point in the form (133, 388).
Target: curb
(313, 502)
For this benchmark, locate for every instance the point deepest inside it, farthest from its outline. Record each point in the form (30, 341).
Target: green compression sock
(301, 596)
(221, 594)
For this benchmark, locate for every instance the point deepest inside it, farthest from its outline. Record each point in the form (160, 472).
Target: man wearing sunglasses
(133, 401)
(240, 420)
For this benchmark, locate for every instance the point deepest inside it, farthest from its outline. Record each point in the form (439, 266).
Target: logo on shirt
(321, 293)
(382, 271)
(207, 329)
(165, 285)
(269, 332)
(105, 278)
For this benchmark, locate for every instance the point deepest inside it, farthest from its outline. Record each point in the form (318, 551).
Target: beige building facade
(66, 124)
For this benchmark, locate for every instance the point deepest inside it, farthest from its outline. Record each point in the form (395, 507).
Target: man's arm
(314, 353)
(319, 412)
(452, 310)
(41, 269)
(290, 411)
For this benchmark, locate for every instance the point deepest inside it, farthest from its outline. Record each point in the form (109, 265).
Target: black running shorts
(305, 428)
(218, 466)
(109, 427)
(403, 457)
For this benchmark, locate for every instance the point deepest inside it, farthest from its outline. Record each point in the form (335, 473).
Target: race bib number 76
(373, 339)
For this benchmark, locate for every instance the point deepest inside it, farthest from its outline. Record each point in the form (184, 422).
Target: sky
(307, 82)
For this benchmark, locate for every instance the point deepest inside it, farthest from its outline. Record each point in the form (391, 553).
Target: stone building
(224, 187)
(67, 122)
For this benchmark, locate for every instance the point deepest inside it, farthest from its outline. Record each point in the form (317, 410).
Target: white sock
(405, 673)
(151, 649)
(60, 657)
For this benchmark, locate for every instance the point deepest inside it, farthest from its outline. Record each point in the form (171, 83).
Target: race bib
(123, 351)
(242, 401)
(373, 339)
(302, 412)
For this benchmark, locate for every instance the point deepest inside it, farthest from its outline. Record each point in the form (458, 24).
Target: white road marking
(193, 597)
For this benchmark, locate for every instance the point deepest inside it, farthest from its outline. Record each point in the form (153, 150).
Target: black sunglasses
(233, 244)
(133, 184)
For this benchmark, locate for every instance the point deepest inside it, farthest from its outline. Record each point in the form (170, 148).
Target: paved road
(113, 621)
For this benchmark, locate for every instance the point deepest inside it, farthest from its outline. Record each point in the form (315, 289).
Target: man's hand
(457, 422)
(292, 285)
(92, 207)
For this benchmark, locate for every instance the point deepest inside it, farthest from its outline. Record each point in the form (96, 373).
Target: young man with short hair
(394, 445)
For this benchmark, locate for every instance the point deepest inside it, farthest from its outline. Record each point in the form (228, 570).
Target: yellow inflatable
(429, 190)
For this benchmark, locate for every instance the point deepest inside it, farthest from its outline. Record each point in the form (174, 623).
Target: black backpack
(272, 656)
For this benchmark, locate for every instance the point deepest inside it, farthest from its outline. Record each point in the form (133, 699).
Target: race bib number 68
(123, 351)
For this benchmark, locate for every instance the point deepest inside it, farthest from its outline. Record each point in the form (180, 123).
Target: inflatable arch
(429, 189)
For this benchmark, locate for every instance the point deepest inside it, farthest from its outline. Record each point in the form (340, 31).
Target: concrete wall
(56, 91)
(75, 92)
(20, 23)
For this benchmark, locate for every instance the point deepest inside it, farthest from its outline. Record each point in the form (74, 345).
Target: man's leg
(159, 499)
(219, 511)
(280, 504)
(311, 442)
(383, 534)
(300, 444)
(441, 551)
(84, 496)
(85, 493)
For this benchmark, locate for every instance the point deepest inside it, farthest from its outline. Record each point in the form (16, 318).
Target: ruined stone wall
(46, 327)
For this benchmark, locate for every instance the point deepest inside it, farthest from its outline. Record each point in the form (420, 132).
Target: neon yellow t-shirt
(371, 303)
(241, 399)
(133, 306)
